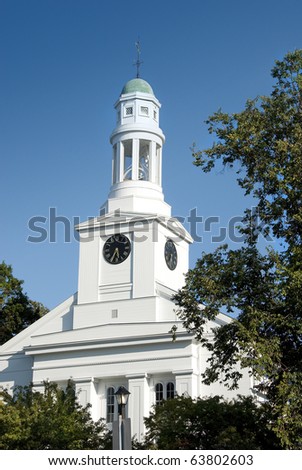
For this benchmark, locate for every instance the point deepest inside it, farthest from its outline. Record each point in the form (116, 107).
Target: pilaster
(186, 382)
(86, 390)
(139, 402)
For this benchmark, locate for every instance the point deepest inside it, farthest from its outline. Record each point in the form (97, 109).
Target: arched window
(170, 390)
(110, 404)
(159, 393)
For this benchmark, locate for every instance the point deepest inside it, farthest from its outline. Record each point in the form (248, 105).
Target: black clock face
(170, 255)
(116, 249)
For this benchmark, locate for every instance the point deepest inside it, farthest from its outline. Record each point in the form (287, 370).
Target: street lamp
(122, 427)
(122, 396)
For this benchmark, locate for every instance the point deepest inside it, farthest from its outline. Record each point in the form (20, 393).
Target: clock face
(170, 254)
(116, 249)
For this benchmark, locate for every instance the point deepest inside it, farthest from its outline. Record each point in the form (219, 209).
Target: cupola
(137, 142)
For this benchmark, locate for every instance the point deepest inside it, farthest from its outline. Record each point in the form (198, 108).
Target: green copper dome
(137, 85)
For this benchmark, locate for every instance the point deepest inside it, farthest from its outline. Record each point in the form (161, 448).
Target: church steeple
(137, 142)
(120, 263)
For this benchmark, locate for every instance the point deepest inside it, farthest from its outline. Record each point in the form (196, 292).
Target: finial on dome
(138, 62)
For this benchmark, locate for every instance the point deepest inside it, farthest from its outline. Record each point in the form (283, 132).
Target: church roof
(137, 85)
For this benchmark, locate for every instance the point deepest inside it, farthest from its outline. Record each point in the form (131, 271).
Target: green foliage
(50, 420)
(264, 290)
(17, 311)
(209, 423)
(266, 140)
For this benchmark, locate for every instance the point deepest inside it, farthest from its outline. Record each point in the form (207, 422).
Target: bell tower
(137, 142)
(133, 257)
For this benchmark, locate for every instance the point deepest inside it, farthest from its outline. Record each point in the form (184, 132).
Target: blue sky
(63, 65)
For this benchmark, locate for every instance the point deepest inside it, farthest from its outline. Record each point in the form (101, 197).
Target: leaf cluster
(53, 419)
(211, 423)
(17, 311)
(265, 142)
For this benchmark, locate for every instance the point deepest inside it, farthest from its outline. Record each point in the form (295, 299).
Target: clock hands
(115, 253)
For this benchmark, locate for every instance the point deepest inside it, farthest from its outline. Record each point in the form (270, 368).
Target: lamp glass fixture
(122, 395)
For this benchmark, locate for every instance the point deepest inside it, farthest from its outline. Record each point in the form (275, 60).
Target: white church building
(116, 330)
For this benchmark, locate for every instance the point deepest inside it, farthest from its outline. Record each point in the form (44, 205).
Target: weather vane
(138, 61)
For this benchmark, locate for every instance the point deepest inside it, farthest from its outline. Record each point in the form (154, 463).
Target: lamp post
(122, 432)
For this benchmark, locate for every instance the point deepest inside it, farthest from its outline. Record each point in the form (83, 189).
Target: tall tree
(209, 423)
(54, 419)
(17, 311)
(264, 289)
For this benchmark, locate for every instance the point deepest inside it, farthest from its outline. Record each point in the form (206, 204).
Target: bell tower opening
(127, 150)
(144, 160)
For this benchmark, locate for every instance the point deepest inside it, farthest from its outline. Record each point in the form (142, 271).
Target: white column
(159, 166)
(139, 403)
(120, 151)
(135, 159)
